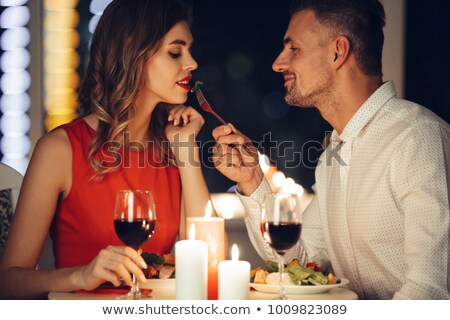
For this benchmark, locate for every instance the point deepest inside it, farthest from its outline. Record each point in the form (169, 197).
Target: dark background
(246, 36)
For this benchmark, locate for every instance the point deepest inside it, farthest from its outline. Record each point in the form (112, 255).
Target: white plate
(292, 289)
(158, 283)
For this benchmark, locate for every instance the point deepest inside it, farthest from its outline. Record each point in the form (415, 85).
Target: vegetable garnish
(196, 86)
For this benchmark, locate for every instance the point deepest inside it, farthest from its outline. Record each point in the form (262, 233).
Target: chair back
(10, 182)
(10, 179)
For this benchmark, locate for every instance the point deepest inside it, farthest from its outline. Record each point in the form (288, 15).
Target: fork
(203, 103)
(207, 107)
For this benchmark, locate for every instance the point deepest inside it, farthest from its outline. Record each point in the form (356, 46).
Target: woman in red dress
(135, 134)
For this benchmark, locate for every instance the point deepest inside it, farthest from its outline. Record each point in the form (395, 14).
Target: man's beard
(294, 97)
(314, 97)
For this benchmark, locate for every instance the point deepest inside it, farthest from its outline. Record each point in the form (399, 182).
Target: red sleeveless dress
(83, 223)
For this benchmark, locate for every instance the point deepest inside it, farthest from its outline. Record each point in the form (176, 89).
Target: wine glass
(134, 222)
(281, 226)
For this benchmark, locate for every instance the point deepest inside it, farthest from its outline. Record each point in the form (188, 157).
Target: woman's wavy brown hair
(127, 35)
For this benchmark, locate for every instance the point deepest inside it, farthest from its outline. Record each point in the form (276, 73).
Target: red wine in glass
(281, 227)
(134, 233)
(134, 222)
(281, 236)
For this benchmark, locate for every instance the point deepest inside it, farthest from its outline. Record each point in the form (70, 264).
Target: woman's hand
(184, 124)
(113, 264)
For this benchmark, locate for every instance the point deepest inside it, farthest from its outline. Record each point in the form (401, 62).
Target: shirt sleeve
(313, 243)
(421, 174)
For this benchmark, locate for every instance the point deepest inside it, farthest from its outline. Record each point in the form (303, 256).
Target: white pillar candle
(212, 231)
(234, 277)
(191, 268)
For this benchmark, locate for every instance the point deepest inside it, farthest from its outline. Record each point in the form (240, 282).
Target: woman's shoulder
(54, 143)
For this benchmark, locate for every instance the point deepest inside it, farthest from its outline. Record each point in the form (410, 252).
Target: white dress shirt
(383, 221)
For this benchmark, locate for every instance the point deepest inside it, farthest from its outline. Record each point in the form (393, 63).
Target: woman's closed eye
(174, 55)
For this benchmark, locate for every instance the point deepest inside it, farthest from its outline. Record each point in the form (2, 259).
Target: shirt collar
(365, 113)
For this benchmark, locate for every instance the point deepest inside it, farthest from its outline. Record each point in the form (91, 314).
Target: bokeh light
(14, 84)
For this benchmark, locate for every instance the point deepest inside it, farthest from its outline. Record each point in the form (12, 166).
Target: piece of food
(166, 272)
(150, 272)
(196, 86)
(169, 259)
(274, 279)
(260, 276)
(159, 267)
(331, 278)
(293, 262)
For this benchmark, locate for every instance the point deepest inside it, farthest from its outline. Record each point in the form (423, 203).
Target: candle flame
(192, 232)
(208, 210)
(234, 252)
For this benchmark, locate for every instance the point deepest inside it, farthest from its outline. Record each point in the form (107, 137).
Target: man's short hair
(360, 21)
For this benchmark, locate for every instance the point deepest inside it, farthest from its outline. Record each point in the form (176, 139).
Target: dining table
(165, 290)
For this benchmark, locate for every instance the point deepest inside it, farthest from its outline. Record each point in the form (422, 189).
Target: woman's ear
(341, 47)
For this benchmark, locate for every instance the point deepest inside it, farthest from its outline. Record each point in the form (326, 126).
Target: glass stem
(281, 293)
(135, 291)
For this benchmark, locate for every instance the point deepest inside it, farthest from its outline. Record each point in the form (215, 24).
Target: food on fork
(203, 103)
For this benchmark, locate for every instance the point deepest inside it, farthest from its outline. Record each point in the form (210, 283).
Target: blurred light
(13, 17)
(57, 62)
(264, 162)
(15, 38)
(61, 19)
(14, 125)
(96, 8)
(298, 189)
(15, 147)
(274, 105)
(10, 3)
(69, 79)
(14, 83)
(93, 23)
(18, 163)
(15, 59)
(278, 179)
(61, 60)
(228, 205)
(288, 186)
(239, 65)
(15, 103)
(61, 40)
(60, 4)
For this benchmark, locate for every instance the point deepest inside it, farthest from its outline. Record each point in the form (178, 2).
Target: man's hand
(236, 158)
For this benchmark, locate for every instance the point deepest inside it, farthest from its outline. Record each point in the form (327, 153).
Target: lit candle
(212, 231)
(191, 268)
(234, 277)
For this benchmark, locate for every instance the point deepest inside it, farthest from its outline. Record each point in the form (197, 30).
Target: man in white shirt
(380, 217)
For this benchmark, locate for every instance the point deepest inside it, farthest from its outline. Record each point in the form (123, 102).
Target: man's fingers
(234, 139)
(221, 131)
(227, 158)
